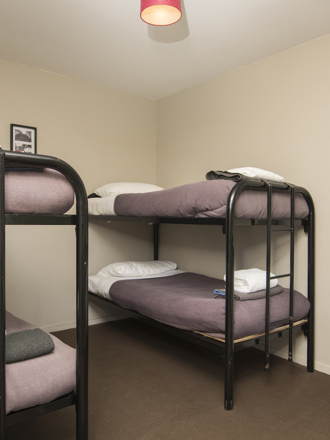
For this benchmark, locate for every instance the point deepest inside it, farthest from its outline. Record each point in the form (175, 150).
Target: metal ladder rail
(309, 228)
(292, 259)
(268, 272)
(268, 263)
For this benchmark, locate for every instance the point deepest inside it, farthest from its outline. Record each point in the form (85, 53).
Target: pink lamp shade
(161, 12)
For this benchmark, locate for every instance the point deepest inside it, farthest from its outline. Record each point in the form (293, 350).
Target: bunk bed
(276, 205)
(39, 190)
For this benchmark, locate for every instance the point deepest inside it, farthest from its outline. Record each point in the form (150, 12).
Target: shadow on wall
(173, 33)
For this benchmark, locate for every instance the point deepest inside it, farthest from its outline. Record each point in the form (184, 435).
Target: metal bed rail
(80, 221)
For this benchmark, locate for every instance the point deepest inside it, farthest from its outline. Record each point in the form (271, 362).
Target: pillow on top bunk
(126, 187)
(137, 268)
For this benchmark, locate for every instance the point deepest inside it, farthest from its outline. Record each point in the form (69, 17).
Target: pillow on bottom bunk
(101, 284)
(137, 268)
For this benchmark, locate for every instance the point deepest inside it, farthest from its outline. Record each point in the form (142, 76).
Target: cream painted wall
(273, 114)
(106, 136)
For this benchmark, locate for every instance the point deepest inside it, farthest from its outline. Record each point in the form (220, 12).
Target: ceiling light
(160, 12)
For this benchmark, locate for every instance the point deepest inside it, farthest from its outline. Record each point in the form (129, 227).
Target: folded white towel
(251, 280)
(258, 173)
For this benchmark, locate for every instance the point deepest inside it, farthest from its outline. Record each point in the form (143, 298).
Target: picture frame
(23, 139)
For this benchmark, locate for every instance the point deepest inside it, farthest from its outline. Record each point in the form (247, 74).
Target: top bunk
(37, 189)
(249, 201)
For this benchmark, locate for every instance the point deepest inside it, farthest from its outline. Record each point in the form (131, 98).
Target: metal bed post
(2, 301)
(268, 262)
(82, 311)
(310, 229)
(311, 287)
(81, 299)
(229, 340)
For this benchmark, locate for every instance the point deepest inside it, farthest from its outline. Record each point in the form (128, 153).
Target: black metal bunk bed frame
(228, 346)
(78, 397)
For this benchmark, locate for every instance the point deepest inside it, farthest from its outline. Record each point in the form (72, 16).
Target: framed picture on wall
(23, 139)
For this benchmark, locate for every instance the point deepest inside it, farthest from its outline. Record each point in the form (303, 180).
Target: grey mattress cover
(187, 301)
(207, 199)
(35, 192)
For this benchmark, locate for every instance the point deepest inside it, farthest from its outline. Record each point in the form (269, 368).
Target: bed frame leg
(310, 345)
(228, 405)
(229, 376)
(229, 384)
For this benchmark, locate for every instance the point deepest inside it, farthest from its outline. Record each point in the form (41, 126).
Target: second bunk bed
(38, 372)
(184, 304)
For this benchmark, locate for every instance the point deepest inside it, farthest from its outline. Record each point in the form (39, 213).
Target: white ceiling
(106, 42)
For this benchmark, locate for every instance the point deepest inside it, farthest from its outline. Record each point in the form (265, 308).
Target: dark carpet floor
(147, 385)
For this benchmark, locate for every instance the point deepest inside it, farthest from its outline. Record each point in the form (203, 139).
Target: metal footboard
(310, 229)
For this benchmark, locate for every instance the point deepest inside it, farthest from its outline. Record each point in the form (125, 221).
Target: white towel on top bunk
(251, 280)
(257, 173)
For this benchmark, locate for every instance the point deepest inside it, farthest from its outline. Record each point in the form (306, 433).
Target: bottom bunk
(40, 369)
(187, 301)
(193, 306)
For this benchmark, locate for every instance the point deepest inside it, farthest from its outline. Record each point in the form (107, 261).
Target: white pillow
(137, 268)
(126, 187)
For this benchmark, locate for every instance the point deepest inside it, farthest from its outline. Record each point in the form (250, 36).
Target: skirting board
(301, 360)
(94, 321)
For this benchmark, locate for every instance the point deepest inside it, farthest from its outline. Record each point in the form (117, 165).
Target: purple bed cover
(207, 199)
(187, 301)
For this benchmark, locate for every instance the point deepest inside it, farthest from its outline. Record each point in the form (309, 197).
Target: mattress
(45, 191)
(187, 301)
(198, 200)
(41, 379)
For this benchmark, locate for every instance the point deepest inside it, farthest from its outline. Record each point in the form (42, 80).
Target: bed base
(79, 397)
(228, 224)
(23, 415)
(200, 338)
